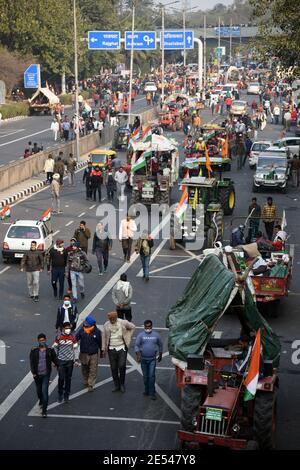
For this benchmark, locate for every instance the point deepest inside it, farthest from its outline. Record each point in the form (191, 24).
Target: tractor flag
(140, 163)
(195, 199)
(46, 215)
(5, 213)
(251, 380)
(207, 162)
(182, 205)
(135, 135)
(147, 134)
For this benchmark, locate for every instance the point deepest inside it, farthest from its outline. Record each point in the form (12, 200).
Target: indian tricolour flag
(135, 135)
(5, 213)
(46, 215)
(182, 205)
(251, 380)
(140, 163)
(147, 134)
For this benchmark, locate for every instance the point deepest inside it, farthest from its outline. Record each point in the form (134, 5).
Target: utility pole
(131, 60)
(76, 83)
(230, 42)
(219, 45)
(204, 55)
(184, 49)
(163, 54)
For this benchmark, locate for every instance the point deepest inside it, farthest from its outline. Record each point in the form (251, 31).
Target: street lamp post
(76, 83)
(163, 48)
(131, 61)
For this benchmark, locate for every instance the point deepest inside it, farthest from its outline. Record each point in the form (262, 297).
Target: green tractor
(218, 199)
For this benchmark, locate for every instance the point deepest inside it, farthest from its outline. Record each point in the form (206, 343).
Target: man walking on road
(121, 177)
(66, 313)
(148, 345)
(122, 295)
(66, 348)
(82, 235)
(41, 359)
(56, 265)
(49, 168)
(89, 338)
(269, 216)
(127, 229)
(102, 243)
(71, 167)
(76, 263)
(55, 190)
(117, 338)
(59, 167)
(32, 263)
(295, 166)
(143, 248)
(87, 180)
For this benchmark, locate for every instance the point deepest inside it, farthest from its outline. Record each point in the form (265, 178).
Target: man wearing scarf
(117, 338)
(89, 338)
(122, 295)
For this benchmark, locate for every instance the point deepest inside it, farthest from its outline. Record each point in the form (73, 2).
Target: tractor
(217, 408)
(218, 199)
(170, 120)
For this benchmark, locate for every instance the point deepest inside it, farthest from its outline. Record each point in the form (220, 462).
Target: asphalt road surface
(102, 420)
(15, 135)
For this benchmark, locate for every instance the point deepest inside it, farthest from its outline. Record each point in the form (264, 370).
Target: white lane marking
(160, 246)
(80, 215)
(11, 133)
(25, 137)
(171, 265)
(55, 233)
(170, 277)
(113, 418)
(172, 256)
(92, 207)
(69, 223)
(5, 269)
(16, 394)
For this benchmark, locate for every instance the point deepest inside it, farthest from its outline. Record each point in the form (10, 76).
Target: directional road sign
(32, 76)
(143, 40)
(227, 31)
(174, 40)
(99, 40)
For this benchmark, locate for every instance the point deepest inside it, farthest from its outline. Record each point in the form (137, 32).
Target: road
(102, 420)
(15, 135)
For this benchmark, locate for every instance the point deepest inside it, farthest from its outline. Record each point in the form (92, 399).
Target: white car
(21, 233)
(292, 143)
(238, 108)
(150, 86)
(253, 88)
(256, 148)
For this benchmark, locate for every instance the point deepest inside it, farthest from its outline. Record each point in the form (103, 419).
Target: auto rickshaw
(102, 158)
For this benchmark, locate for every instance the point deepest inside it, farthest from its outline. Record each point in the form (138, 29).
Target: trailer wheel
(210, 238)
(227, 199)
(264, 419)
(220, 224)
(190, 402)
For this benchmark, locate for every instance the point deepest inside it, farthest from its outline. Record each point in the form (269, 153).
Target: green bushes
(65, 99)
(12, 109)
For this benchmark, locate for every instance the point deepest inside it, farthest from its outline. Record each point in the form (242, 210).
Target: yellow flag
(195, 200)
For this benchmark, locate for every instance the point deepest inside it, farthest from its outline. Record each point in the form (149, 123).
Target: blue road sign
(143, 40)
(174, 40)
(99, 40)
(32, 76)
(225, 31)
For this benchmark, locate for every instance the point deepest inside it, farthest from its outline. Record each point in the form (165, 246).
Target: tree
(279, 22)
(12, 68)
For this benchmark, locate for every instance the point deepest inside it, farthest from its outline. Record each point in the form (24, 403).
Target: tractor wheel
(210, 238)
(264, 419)
(220, 224)
(190, 402)
(227, 199)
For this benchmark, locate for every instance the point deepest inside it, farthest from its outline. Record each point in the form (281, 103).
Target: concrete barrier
(15, 173)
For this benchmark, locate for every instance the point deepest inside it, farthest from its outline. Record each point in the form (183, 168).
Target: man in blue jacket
(147, 345)
(89, 337)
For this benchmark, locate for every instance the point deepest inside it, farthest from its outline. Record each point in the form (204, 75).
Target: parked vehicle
(21, 233)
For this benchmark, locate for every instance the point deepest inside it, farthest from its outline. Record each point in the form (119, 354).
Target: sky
(202, 4)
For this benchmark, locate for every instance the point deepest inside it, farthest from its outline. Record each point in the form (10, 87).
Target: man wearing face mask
(41, 359)
(66, 348)
(147, 345)
(89, 337)
(67, 313)
(69, 248)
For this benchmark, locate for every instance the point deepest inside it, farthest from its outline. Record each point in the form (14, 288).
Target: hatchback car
(21, 233)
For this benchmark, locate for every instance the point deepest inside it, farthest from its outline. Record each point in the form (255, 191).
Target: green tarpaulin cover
(192, 319)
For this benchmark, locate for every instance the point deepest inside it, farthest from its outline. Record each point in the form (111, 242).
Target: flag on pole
(46, 215)
(147, 134)
(135, 135)
(195, 199)
(182, 205)
(251, 380)
(207, 162)
(5, 213)
(140, 163)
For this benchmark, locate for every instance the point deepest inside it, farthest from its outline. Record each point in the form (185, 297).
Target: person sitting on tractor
(200, 145)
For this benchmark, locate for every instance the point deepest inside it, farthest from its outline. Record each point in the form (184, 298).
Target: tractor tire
(190, 402)
(264, 419)
(210, 238)
(227, 199)
(220, 224)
